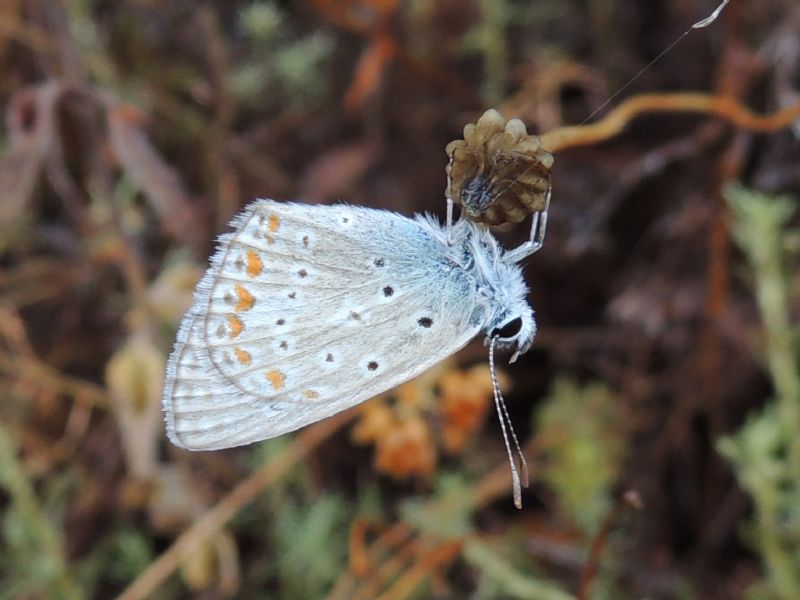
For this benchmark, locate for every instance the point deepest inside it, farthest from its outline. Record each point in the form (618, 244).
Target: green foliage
(447, 514)
(765, 452)
(503, 580)
(118, 559)
(287, 68)
(583, 444)
(310, 545)
(262, 21)
(307, 532)
(32, 563)
(489, 39)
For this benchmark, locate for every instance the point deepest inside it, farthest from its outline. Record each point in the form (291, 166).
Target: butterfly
(307, 310)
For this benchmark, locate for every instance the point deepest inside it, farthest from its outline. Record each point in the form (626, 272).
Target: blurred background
(659, 407)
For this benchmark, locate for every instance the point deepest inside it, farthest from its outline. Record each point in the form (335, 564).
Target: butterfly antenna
(502, 415)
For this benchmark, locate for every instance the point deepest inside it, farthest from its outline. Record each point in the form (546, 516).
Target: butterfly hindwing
(306, 311)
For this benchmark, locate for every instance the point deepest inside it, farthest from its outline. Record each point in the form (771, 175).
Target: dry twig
(616, 120)
(210, 523)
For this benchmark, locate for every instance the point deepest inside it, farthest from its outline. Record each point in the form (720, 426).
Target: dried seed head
(498, 173)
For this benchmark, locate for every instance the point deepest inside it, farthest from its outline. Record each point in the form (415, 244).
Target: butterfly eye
(508, 330)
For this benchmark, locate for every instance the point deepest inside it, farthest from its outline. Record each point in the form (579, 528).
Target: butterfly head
(513, 329)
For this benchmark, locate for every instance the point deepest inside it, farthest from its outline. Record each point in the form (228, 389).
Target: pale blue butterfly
(306, 311)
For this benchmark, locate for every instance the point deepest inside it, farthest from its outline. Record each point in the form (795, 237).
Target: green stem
(495, 49)
(513, 583)
(776, 558)
(760, 228)
(13, 478)
(781, 353)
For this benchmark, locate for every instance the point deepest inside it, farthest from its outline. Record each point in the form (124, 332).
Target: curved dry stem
(34, 37)
(363, 558)
(210, 523)
(421, 569)
(628, 500)
(616, 120)
(395, 565)
(41, 375)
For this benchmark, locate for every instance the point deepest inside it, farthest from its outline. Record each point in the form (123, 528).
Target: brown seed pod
(498, 173)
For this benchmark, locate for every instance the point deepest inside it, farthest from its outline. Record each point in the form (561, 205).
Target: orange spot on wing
(246, 299)
(254, 264)
(311, 394)
(243, 356)
(236, 325)
(274, 223)
(276, 379)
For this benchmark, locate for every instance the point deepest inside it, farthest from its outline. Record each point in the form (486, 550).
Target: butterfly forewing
(306, 311)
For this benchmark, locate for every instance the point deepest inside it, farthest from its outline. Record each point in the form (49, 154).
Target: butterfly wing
(306, 311)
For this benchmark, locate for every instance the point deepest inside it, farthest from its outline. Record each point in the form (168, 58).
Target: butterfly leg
(536, 241)
(449, 221)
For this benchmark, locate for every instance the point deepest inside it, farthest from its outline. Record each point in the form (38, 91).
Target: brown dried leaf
(197, 571)
(498, 173)
(359, 16)
(174, 503)
(135, 376)
(170, 295)
(30, 120)
(370, 70)
(214, 563)
(19, 173)
(333, 173)
(161, 184)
